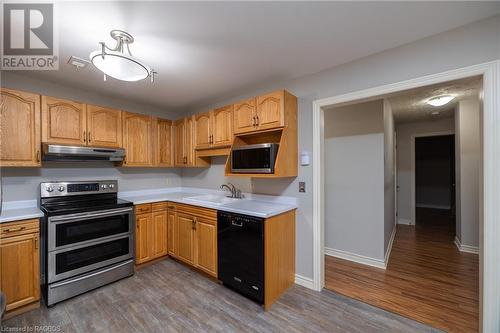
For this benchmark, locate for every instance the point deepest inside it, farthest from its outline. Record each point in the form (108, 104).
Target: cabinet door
(143, 238)
(104, 127)
(137, 139)
(19, 128)
(244, 116)
(171, 245)
(20, 279)
(164, 147)
(202, 131)
(63, 121)
(222, 128)
(184, 237)
(188, 141)
(206, 245)
(270, 110)
(180, 129)
(160, 234)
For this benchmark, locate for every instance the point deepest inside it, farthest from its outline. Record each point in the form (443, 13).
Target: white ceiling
(205, 51)
(411, 106)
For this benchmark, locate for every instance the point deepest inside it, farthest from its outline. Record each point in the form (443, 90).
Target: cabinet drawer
(19, 228)
(198, 211)
(144, 208)
(159, 206)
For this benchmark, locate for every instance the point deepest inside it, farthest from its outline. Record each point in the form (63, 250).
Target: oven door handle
(55, 285)
(86, 216)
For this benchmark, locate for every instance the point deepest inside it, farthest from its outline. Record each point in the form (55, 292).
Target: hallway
(427, 278)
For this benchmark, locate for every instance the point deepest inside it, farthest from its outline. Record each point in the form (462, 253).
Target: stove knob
(60, 188)
(104, 186)
(111, 185)
(49, 189)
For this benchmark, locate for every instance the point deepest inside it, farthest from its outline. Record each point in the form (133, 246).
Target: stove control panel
(53, 189)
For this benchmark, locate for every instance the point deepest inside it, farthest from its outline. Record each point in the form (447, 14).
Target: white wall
(389, 173)
(468, 45)
(468, 156)
(354, 179)
(404, 134)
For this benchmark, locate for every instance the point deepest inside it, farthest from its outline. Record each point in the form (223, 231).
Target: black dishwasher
(240, 245)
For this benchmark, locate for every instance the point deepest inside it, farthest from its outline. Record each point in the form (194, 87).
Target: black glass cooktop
(81, 204)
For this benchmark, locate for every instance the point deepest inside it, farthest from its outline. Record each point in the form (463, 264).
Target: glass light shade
(120, 66)
(440, 100)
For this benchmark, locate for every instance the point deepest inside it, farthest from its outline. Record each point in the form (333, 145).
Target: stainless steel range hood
(81, 154)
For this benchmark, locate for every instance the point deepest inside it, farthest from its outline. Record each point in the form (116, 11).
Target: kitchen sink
(213, 199)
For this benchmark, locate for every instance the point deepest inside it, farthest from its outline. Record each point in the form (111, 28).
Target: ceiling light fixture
(118, 62)
(440, 100)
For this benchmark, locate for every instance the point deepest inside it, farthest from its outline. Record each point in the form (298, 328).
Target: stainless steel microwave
(259, 158)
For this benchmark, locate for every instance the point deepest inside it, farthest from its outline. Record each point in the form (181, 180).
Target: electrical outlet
(302, 186)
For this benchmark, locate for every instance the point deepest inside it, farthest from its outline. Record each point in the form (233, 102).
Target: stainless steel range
(87, 237)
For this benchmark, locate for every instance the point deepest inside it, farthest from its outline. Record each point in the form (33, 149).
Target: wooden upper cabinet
(63, 121)
(203, 130)
(163, 143)
(180, 133)
(222, 126)
(137, 139)
(270, 110)
(244, 116)
(19, 128)
(188, 141)
(104, 127)
(206, 245)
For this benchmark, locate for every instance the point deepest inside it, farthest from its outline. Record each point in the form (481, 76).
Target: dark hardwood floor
(169, 297)
(427, 278)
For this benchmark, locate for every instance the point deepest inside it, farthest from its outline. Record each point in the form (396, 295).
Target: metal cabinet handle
(89, 137)
(14, 230)
(253, 122)
(257, 121)
(84, 136)
(38, 155)
(36, 243)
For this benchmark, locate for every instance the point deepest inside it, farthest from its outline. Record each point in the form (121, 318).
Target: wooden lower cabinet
(151, 233)
(20, 263)
(184, 237)
(206, 245)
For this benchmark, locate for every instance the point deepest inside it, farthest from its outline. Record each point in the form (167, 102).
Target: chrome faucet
(235, 193)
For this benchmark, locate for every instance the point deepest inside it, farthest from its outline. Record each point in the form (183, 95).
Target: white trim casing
(389, 246)
(465, 248)
(404, 221)
(489, 229)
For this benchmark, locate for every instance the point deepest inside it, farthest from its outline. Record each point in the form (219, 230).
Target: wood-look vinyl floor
(169, 297)
(427, 279)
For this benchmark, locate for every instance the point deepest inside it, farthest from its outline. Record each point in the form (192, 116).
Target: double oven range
(87, 237)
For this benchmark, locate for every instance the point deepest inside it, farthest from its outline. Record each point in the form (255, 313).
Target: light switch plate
(302, 186)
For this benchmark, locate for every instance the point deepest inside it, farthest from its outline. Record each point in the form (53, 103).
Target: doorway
(435, 186)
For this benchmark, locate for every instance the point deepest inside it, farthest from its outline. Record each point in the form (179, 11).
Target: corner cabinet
(104, 127)
(19, 129)
(185, 154)
(137, 140)
(20, 263)
(193, 231)
(63, 121)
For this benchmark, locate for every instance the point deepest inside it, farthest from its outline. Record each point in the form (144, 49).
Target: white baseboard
(465, 248)
(404, 221)
(304, 281)
(389, 247)
(433, 206)
(355, 257)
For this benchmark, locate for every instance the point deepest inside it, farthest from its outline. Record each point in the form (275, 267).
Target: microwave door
(253, 160)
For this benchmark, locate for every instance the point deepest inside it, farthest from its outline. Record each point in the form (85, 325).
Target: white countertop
(254, 205)
(19, 210)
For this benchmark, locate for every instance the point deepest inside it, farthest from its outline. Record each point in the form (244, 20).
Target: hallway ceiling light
(440, 100)
(118, 62)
